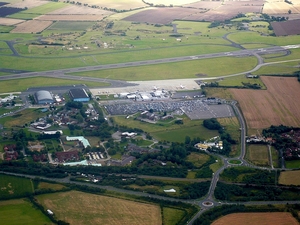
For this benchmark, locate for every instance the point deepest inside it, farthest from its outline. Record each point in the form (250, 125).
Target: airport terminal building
(43, 97)
(79, 95)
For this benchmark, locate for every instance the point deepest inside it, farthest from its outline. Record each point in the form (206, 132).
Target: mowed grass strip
(83, 208)
(276, 69)
(20, 212)
(258, 154)
(23, 84)
(270, 218)
(289, 178)
(294, 164)
(11, 187)
(188, 69)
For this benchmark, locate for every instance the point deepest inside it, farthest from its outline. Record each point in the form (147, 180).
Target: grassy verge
(23, 84)
(21, 211)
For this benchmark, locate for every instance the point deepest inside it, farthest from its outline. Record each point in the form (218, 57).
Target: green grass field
(258, 154)
(23, 84)
(172, 132)
(294, 164)
(12, 187)
(171, 216)
(238, 80)
(70, 26)
(198, 159)
(46, 8)
(277, 69)
(20, 212)
(189, 69)
(254, 37)
(21, 118)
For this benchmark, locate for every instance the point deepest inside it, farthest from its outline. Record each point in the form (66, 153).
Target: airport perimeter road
(61, 73)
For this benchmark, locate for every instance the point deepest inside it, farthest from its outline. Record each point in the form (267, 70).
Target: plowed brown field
(275, 218)
(31, 26)
(279, 104)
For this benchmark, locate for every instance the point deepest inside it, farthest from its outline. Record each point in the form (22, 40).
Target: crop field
(46, 8)
(11, 187)
(278, 8)
(21, 211)
(51, 17)
(9, 21)
(170, 2)
(258, 154)
(83, 208)
(161, 15)
(204, 4)
(70, 26)
(270, 218)
(31, 26)
(227, 10)
(274, 106)
(289, 178)
(6, 11)
(27, 3)
(290, 27)
(80, 10)
(116, 4)
(180, 70)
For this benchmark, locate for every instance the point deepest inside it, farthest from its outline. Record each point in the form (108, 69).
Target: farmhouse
(79, 95)
(43, 97)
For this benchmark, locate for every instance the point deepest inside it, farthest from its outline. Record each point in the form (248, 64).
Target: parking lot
(194, 109)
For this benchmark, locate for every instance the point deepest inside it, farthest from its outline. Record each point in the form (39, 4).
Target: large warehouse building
(43, 97)
(79, 95)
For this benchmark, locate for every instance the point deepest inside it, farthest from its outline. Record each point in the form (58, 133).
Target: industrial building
(43, 97)
(79, 95)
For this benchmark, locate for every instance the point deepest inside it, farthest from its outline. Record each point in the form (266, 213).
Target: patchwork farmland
(274, 106)
(290, 27)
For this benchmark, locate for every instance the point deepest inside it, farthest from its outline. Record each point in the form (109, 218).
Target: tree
(290, 11)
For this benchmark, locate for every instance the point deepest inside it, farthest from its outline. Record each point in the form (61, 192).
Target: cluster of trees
(231, 192)
(250, 176)
(213, 124)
